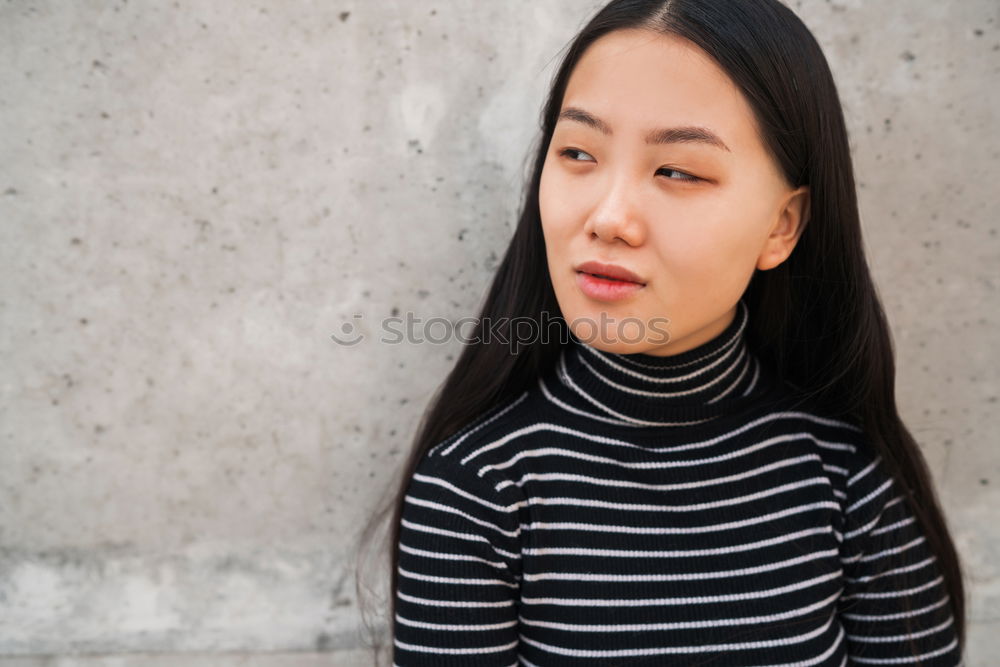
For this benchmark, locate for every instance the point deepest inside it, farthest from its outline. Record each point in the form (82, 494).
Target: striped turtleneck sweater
(678, 510)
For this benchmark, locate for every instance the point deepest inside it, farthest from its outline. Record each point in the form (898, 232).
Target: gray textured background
(195, 195)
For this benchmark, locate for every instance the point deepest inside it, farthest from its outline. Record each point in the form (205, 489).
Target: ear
(787, 229)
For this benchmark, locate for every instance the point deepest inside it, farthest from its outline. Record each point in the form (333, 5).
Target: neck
(715, 378)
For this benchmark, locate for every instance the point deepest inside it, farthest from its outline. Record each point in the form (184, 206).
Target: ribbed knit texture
(681, 510)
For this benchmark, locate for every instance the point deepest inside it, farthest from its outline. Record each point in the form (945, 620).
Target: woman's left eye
(683, 176)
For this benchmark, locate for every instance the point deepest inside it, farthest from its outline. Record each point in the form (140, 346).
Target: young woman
(702, 462)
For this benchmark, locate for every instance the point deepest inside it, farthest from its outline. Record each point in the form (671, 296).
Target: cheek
(556, 214)
(709, 245)
(545, 208)
(555, 247)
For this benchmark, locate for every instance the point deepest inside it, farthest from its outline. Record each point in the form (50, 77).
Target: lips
(610, 271)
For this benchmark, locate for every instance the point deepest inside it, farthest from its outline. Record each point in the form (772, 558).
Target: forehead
(638, 80)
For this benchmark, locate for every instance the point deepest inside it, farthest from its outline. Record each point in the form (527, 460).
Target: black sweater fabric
(680, 510)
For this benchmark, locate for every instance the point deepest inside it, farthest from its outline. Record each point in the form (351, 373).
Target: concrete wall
(195, 195)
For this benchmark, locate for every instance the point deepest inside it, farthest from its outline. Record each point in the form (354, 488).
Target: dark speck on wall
(344, 15)
(491, 261)
(324, 642)
(908, 56)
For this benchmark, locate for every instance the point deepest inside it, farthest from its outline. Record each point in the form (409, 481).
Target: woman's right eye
(568, 151)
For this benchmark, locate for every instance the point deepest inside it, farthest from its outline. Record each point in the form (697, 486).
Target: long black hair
(816, 318)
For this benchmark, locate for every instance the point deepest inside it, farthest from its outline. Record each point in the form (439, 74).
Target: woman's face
(616, 189)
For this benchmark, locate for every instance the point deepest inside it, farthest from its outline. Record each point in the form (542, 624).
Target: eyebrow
(687, 134)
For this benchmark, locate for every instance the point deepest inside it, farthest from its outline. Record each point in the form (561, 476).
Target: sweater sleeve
(894, 607)
(459, 570)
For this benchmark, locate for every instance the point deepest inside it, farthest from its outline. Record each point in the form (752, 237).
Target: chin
(629, 343)
(594, 317)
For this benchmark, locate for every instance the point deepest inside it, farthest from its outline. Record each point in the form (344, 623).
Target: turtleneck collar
(717, 378)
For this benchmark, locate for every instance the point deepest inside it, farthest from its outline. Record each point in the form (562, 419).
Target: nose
(617, 216)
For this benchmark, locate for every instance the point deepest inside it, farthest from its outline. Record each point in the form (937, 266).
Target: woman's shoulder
(794, 402)
(838, 436)
(479, 443)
